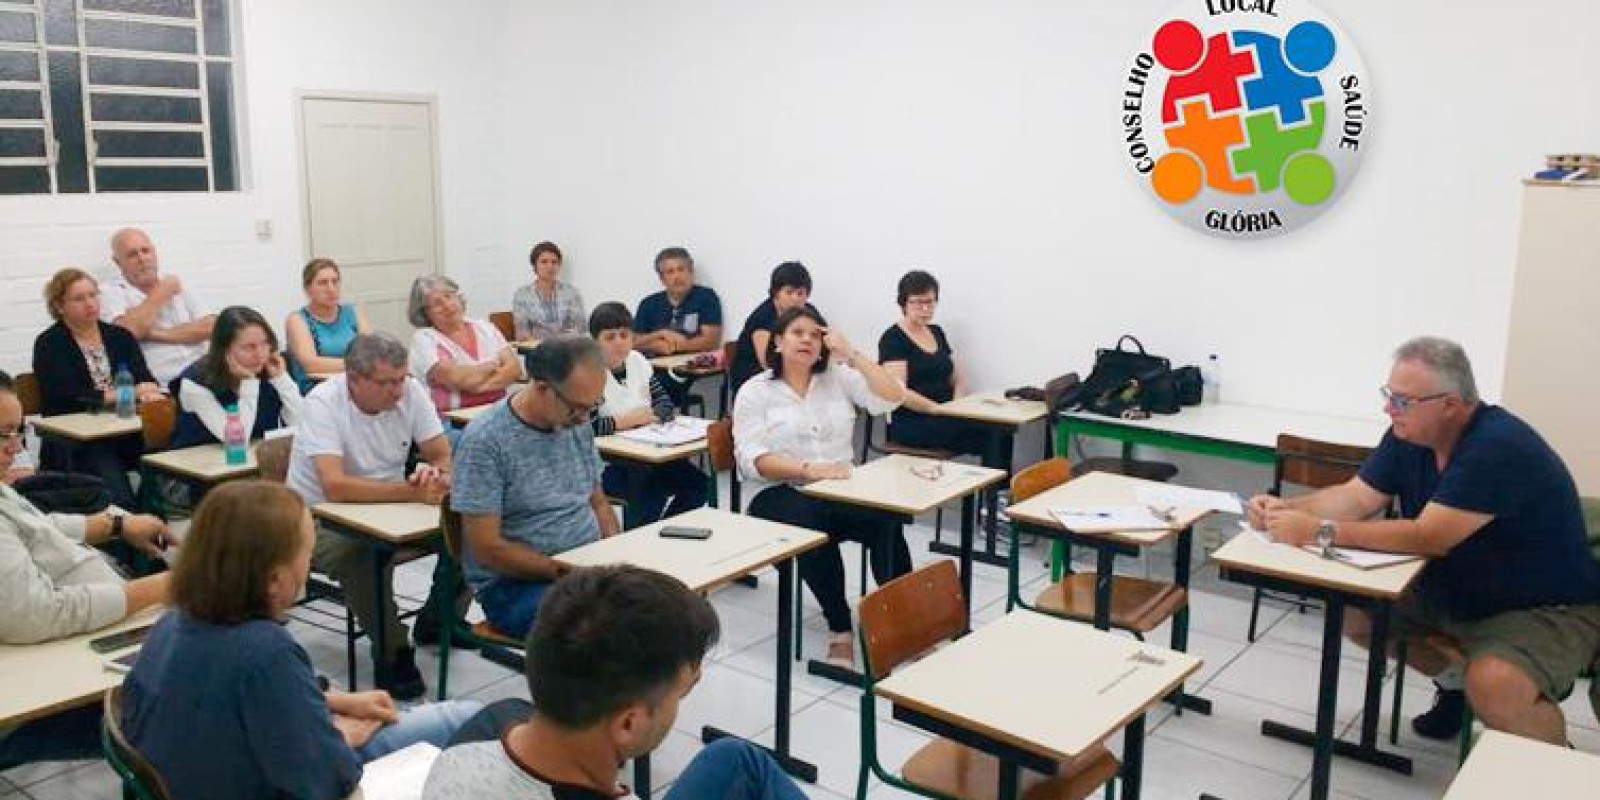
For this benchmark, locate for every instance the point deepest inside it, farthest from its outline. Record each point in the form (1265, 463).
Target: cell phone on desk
(111, 643)
(685, 532)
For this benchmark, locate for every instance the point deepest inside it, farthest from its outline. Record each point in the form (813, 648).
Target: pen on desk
(1119, 679)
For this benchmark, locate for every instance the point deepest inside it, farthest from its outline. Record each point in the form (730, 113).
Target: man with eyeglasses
(351, 445)
(54, 584)
(1506, 614)
(528, 482)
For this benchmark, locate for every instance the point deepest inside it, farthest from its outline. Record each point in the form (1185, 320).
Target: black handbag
(64, 492)
(1129, 380)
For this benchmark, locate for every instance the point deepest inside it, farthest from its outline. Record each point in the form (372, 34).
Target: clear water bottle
(1212, 392)
(233, 438)
(125, 395)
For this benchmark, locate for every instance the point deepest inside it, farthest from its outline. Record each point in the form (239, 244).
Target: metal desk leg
(1010, 780)
(1104, 574)
(380, 625)
(969, 523)
(1327, 699)
(1133, 758)
(1180, 621)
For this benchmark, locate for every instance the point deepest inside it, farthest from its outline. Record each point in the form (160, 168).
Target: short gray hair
(1452, 372)
(368, 350)
(555, 358)
(417, 306)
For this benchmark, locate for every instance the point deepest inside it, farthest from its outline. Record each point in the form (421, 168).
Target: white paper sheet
(1175, 497)
(681, 430)
(1101, 519)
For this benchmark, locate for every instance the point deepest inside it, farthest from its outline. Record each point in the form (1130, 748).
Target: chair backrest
(27, 387)
(909, 615)
(1314, 464)
(159, 418)
(503, 321)
(719, 443)
(272, 458)
(1040, 476)
(137, 772)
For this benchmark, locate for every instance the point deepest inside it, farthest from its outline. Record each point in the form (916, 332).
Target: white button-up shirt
(769, 417)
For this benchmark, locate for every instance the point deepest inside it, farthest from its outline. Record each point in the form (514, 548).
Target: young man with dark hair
(615, 649)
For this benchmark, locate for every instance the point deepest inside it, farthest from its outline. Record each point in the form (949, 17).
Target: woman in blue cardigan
(242, 368)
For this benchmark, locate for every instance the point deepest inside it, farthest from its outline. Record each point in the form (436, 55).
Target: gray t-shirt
(537, 482)
(486, 770)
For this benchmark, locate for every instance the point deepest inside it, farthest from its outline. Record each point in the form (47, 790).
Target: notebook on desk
(681, 430)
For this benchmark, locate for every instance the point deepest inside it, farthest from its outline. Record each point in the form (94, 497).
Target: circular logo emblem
(1246, 118)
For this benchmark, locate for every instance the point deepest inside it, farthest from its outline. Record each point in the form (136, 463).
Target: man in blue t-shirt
(527, 482)
(1511, 585)
(683, 317)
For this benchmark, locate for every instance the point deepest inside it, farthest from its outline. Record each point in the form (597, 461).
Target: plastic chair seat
(1133, 468)
(1137, 604)
(959, 771)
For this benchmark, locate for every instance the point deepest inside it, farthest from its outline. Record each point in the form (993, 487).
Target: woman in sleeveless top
(320, 332)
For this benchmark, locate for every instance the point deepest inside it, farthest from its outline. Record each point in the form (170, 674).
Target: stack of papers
(1109, 519)
(681, 430)
(1175, 497)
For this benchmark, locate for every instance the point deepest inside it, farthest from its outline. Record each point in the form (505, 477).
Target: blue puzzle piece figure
(1276, 84)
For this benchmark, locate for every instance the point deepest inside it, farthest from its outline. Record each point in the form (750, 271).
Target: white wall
(978, 140)
(867, 137)
(384, 46)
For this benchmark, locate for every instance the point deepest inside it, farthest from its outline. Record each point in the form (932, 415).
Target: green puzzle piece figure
(1272, 145)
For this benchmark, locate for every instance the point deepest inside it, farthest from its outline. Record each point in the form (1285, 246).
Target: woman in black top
(76, 362)
(916, 351)
(790, 288)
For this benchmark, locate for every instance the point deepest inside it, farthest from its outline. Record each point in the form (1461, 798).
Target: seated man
(1511, 584)
(169, 322)
(54, 584)
(528, 482)
(614, 652)
(684, 317)
(355, 434)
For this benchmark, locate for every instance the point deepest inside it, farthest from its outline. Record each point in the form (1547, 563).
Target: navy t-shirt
(1535, 550)
(699, 307)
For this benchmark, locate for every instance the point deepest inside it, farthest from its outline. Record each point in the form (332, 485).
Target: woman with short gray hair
(463, 362)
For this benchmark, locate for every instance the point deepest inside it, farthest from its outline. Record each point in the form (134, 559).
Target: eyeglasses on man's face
(576, 412)
(1402, 403)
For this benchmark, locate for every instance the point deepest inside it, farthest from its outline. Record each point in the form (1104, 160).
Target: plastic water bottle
(125, 396)
(1212, 391)
(233, 438)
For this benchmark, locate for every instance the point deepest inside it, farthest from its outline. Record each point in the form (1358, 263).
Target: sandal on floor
(842, 650)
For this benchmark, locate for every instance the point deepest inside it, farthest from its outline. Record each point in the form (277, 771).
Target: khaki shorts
(1552, 645)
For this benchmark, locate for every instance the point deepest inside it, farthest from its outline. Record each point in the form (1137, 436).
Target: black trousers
(822, 569)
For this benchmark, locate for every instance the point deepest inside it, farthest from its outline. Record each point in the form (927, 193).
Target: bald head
(135, 255)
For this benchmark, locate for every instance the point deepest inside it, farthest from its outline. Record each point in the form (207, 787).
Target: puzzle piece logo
(1246, 117)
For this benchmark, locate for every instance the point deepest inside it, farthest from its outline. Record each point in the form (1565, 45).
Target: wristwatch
(116, 526)
(1325, 531)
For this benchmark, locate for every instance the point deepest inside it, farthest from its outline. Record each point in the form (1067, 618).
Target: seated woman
(635, 397)
(793, 424)
(790, 288)
(320, 331)
(76, 361)
(548, 306)
(242, 368)
(223, 696)
(463, 362)
(916, 352)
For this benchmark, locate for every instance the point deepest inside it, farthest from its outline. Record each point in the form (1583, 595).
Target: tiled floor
(1223, 754)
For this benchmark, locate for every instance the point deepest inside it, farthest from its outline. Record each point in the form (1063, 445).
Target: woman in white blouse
(463, 362)
(793, 424)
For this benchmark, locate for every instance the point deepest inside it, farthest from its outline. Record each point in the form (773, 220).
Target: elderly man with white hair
(168, 320)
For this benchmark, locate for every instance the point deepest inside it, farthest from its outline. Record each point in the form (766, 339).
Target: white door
(371, 198)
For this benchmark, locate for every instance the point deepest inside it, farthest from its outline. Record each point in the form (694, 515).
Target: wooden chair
(1138, 605)
(505, 650)
(901, 621)
(27, 389)
(140, 780)
(719, 445)
(503, 321)
(157, 418)
(1310, 464)
(272, 458)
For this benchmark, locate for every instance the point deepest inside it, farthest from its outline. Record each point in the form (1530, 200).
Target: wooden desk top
(993, 408)
(398, 523)
(679, 362)
(888, 484)
(1255, 425)
(461, 416)
(738, 545)
(615, 446)
(206, 463)
(1098, 489)
(1248, 553)
(1502, 765)
(1099, 682)
(43, 679)
(84, 426)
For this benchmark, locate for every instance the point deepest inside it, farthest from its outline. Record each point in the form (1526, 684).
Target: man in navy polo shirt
(683, 317)
(1510, 583)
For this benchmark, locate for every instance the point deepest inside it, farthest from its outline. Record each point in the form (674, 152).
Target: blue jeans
(511, 604)
(733, 769)
(433, 723)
